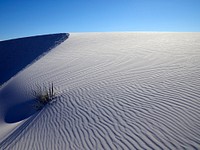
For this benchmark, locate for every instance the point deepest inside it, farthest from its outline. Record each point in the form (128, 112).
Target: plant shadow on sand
(20, 111)
(42, 96)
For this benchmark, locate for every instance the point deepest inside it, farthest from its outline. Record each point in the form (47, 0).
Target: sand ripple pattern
(118, 91)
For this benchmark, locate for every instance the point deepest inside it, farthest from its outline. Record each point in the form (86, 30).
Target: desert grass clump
(44, 95)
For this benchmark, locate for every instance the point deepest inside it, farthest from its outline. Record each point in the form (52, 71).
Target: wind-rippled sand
(114, 91)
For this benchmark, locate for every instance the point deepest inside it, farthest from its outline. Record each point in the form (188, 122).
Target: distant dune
(113, 91)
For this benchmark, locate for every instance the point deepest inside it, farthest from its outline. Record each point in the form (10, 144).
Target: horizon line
(131, 31)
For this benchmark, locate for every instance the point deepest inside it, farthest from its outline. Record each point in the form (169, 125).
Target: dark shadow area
(16, 54)
(20, 111)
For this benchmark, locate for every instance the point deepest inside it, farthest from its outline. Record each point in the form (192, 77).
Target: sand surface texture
(114, 91)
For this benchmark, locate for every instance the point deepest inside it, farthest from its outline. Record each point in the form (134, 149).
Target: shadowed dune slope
(18, 53)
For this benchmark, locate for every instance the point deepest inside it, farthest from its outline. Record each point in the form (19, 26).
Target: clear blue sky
(20, 18)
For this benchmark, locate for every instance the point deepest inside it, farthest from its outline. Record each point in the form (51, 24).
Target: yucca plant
(44, 95)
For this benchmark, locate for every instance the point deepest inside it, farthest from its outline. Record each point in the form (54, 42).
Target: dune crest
(18, 53)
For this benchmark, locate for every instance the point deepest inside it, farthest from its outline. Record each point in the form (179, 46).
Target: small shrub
(44, 95)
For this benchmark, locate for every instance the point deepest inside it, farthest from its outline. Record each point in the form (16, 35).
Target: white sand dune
(114, 91)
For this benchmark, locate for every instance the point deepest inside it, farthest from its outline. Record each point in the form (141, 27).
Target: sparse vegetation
(44, 95)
